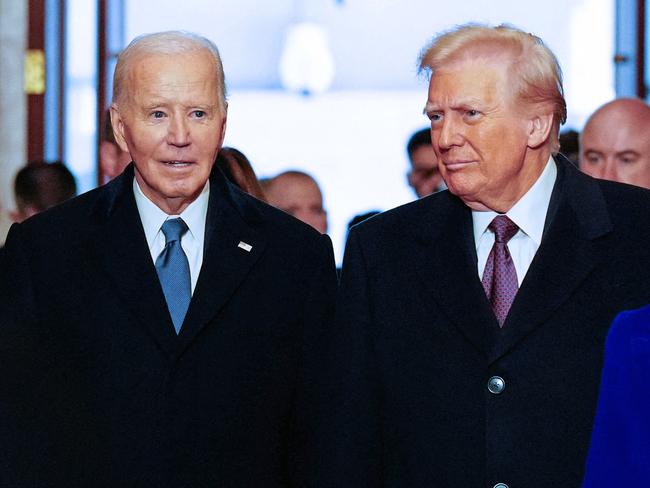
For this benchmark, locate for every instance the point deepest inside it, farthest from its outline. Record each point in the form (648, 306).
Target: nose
(178, 133)
(449, 134)
(609, 170)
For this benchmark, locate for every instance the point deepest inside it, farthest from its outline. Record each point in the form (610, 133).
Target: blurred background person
(41, 185)
(239, 170)
(357, 219)
(112, 159)
(5, 224)
(298, 194)
(423, 176)
(570, 146)
(615, 143)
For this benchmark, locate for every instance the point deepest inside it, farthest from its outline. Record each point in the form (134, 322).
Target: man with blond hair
(470, 325)
(159, 331)
(615, 143)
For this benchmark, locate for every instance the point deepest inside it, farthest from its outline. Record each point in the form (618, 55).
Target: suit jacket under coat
(98, 390)
(416, 341)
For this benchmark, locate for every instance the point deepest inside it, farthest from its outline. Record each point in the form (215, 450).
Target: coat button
(500, 485)
(496, 385)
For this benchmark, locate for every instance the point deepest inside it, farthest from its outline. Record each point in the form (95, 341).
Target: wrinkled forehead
(618, 130)
(469, 82)
(151, 73)
(296, 186)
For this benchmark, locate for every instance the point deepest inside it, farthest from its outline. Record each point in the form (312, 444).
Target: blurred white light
(306, 64)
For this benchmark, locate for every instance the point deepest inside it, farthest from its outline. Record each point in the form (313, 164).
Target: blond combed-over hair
(534, 70)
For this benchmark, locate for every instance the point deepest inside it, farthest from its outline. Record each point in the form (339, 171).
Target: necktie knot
(174, 229)
(504, 229)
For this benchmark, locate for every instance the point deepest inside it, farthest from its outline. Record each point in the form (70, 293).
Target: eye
(472, 113)
(199, 114)
(157, 114)
(435, 117)
(593, 159)
(628, 159)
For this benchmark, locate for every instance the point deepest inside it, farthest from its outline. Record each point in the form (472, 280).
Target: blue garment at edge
(620, 444)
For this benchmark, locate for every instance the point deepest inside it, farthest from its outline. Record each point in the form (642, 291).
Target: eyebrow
(427, 109)
(628, 151)
(155, 104)
(456, 104)
(163, 103)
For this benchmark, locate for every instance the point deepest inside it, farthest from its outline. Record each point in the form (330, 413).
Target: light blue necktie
(174, 271)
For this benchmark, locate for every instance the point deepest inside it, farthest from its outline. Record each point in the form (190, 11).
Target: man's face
(424, 176)
(480, 134)
(617, 149)
(172, 123)
(112, 159)
(299, 196)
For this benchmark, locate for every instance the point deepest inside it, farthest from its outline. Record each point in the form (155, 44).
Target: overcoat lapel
(232, 246)
(568, 253)
(120, 246)
(447, 265)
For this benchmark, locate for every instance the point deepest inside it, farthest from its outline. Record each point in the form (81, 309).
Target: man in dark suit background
(158, 331)
(470, 328)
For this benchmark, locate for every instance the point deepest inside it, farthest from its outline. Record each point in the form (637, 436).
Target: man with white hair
(615, 142)
(158, 331)
(470, 326)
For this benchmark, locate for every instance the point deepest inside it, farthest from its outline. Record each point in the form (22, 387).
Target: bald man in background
(298, 194)
(615, 143)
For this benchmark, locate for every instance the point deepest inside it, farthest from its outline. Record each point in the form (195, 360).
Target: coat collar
(446, 261)
(233, 243)
(576, 218)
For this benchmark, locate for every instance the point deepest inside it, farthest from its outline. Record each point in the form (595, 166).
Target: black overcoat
(97, 388)
(416, 344)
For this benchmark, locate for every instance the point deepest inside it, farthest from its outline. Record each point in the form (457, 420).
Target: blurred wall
(13, 102)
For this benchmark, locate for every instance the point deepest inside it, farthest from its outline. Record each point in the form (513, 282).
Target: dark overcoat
(97, 388)
(416, 344)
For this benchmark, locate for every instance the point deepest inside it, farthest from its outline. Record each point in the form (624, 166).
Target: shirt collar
(153, 217)
(529, 213)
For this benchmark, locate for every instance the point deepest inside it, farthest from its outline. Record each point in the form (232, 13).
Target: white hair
(169, 42)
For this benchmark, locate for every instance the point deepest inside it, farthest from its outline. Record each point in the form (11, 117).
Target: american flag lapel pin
(245, 246)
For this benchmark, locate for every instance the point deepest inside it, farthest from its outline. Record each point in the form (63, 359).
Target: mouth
(456, 164)
(177, 164)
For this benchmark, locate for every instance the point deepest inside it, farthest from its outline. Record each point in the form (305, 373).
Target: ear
(539, 129)
(16, 216)
(117, 121)
(23, 214)
(223, 125)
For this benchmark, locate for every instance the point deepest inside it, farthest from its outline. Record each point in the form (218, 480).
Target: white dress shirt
(529, 213)
(194, 216)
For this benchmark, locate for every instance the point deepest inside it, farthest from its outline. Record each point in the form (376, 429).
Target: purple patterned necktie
(500, 276)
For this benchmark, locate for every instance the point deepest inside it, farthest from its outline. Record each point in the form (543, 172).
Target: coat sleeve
(347, 431)
(317, 315)
(25, 371)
